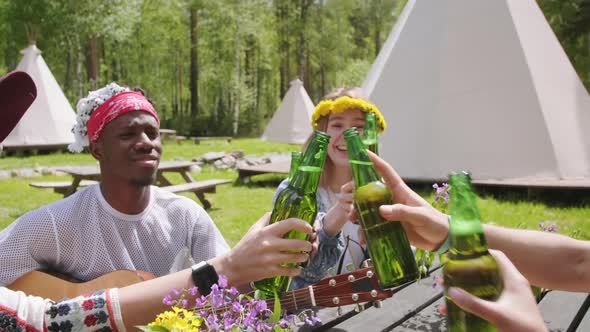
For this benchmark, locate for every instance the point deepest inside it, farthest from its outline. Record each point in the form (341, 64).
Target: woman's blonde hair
(322, 122)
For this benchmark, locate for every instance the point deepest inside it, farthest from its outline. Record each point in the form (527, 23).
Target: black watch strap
(204, 276)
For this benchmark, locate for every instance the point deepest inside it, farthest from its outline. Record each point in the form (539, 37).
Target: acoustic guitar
(351, 288)
(54, 286)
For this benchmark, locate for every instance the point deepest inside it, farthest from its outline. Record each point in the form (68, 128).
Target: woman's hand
(425, 226)
(515, 310)
(338, 214)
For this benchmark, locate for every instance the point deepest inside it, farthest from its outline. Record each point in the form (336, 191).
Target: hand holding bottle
(515, 310)
(338, 215)
(425, 226)
(262, 251)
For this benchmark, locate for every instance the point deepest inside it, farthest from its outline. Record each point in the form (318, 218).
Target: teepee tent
(483, 86)
(48, 122)
(291, 123)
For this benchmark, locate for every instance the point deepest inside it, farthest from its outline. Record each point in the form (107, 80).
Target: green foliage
(247, 51)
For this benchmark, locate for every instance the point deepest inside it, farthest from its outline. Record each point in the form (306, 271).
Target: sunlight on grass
(237, 207)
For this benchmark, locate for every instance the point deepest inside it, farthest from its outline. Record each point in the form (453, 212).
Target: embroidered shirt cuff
(115, 306)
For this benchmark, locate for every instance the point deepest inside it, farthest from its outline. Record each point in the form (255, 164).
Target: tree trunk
(194, 79)
(79, 73)
(377, 40)
(301, 45)
(92, 65)
(237, 74)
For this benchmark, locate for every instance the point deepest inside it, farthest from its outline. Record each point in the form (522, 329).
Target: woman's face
(337, 124)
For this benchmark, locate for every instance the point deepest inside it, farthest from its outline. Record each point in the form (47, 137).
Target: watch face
(204, 276)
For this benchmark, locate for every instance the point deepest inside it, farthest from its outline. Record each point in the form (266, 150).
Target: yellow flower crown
(342, 104)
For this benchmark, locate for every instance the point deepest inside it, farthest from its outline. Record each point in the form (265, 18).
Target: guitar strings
(293, 302)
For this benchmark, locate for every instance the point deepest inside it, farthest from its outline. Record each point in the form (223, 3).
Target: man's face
(129, 148)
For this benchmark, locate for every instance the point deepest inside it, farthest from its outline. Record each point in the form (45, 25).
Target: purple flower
(184, 303)
(260, 306)
(552, 228)
(201, 301)
(233, 291)
(213, 322)
(441, 192)
(236, 307)
(222, 281)
(216, 296)
(167, 300)
(312, 320)
(194, 290)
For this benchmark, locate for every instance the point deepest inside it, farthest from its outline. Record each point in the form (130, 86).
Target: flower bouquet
(224, 309)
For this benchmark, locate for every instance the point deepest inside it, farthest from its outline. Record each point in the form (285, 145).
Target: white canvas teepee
(483, 86)
(48, 122)
(291, 123)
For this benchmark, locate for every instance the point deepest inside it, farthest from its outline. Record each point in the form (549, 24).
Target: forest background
(221, 67)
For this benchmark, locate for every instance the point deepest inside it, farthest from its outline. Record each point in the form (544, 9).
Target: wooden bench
(62, 187)
(198, 140)
(199, 188)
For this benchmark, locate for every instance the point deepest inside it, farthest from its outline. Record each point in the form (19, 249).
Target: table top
(415, 308)
(89, 171)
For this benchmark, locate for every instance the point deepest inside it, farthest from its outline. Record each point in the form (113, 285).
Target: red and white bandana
(116, 106)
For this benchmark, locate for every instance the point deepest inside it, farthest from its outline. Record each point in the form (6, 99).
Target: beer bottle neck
(363, 171)
(307, 176)
(466, 231)
(370, 139)
(295, 161)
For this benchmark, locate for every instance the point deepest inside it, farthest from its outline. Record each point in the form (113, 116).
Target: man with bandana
(125, 223)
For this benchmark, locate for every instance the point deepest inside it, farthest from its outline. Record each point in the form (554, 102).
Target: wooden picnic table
(280, 167)
(414, 307)
(167, 134)
(84, 173)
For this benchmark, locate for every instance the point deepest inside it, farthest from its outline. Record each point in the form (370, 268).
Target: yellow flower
(178, 320)
(344, 103)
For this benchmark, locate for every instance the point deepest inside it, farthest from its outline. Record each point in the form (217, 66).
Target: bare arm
(258, 255)
(546, 259)
(142, 302)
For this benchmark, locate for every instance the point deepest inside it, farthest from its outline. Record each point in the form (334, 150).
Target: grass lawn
(236, 207)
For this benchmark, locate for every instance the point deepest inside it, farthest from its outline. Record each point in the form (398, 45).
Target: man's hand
(425, 226)
(260, 253)
(515, 310)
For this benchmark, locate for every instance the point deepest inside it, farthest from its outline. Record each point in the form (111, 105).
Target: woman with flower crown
(340, 247)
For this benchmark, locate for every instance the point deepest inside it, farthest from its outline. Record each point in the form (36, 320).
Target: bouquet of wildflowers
(224, 309)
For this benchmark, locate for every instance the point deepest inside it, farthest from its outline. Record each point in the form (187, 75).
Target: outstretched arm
(533, 252)
(546, 259)
(258, 255)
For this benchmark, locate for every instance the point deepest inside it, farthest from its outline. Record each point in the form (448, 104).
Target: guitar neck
(296, 299)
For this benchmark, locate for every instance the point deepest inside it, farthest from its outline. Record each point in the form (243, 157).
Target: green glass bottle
(298, 200)
(295, 160)
(370, 133)
(469, 264)
(387, 242)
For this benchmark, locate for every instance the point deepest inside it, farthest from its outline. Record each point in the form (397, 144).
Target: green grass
(237, 207)
(185, 150)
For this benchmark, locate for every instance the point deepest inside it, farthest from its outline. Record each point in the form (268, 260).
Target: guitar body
(54, 287)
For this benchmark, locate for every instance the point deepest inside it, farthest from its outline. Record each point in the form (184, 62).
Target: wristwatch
(204, 276)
